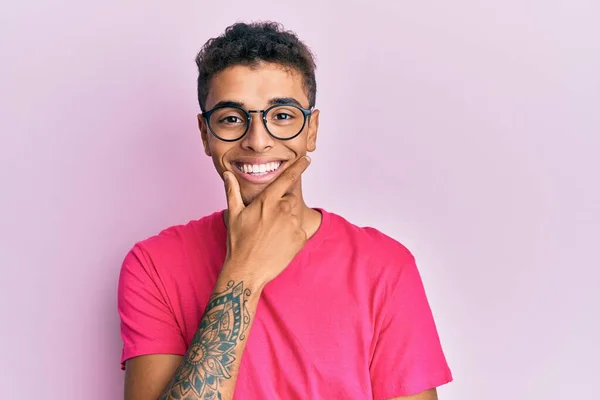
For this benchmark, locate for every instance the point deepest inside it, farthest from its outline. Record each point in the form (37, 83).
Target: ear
(313, 128)
(204, 134)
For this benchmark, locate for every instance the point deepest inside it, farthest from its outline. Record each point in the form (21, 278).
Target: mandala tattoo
(211, 353)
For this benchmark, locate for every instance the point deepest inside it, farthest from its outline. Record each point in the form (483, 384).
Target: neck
(310, 218)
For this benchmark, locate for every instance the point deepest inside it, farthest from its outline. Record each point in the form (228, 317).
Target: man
(271, 299)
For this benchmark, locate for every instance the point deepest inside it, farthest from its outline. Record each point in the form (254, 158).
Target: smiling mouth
(259, 169)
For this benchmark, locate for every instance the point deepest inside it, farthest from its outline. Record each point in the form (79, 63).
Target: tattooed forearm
(211, 357)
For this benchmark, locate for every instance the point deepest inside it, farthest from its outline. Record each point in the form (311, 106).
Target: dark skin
(260, 217)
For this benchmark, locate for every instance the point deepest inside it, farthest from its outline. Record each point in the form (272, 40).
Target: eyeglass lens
(231, 123)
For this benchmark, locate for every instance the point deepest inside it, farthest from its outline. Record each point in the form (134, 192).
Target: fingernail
(308, 158)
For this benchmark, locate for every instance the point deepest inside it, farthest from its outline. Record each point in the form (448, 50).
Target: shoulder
(173, 245)
(370, 240)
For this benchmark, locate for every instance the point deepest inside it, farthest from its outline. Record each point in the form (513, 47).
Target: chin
(249, 195)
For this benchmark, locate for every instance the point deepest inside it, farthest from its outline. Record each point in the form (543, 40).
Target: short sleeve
(408, 356)
(148, 326)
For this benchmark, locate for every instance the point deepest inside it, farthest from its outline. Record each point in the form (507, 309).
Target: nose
(257, 138)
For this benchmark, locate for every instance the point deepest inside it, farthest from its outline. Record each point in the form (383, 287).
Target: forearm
(211, 365)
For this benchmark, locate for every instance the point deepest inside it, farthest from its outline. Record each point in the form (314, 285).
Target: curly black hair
(249, 44)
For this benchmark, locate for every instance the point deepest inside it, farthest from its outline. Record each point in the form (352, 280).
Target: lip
(255, 160)
(266, 178)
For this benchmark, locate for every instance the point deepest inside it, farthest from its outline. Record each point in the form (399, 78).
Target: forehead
(254, 86)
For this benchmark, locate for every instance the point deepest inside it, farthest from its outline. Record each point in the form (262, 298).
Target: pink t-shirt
(347, 319)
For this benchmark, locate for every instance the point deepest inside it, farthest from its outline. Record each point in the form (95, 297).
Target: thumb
(235, 204)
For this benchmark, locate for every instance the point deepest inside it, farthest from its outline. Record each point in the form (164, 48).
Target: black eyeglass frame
(207, 114)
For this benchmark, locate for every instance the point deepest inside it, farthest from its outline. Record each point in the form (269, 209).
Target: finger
(286, 206)
(293, 200)
(286, 180)
(235, 204)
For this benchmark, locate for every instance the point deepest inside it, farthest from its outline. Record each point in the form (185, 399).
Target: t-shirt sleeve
(148, 326)
(408, 356)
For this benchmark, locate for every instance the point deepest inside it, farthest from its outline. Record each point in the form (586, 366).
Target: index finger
(284, 182)
(235, 204)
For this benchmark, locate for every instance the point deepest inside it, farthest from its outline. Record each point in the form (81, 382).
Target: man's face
(256, 88)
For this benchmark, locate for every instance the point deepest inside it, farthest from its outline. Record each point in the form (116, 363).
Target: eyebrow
(271, 102)
(284, 101)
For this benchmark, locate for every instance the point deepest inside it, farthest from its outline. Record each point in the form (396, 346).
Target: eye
(282, 116)
(232, 119)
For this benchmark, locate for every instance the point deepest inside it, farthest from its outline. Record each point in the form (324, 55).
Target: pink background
(468, 130)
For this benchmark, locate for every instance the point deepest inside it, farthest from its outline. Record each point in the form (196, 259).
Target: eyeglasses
(282, 121)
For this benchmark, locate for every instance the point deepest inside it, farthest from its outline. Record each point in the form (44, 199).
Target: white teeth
(259, 168)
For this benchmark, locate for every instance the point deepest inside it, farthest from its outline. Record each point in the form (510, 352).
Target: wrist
(237, 272)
